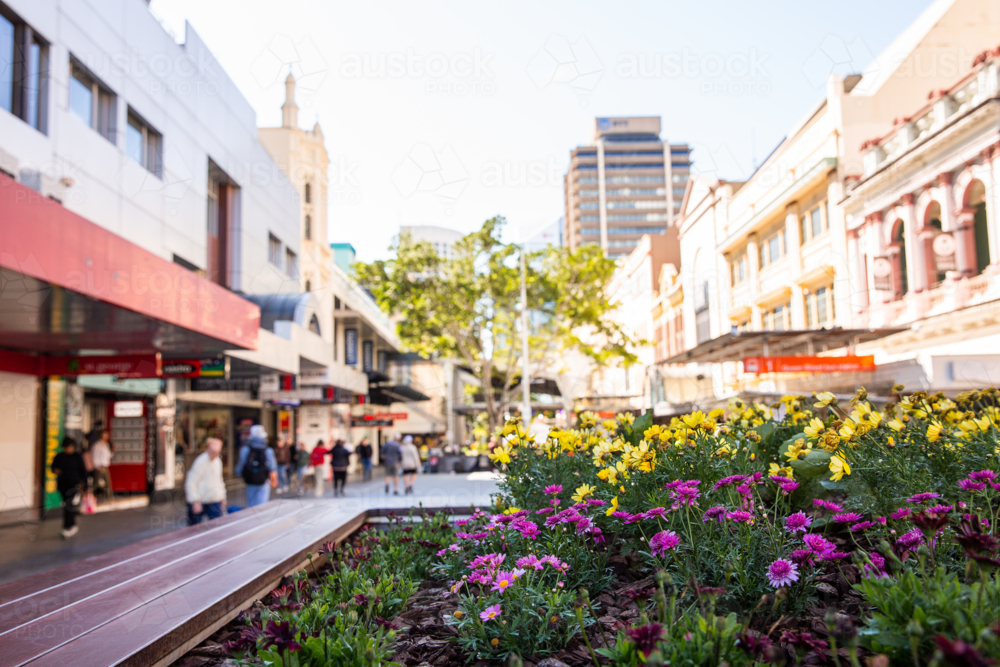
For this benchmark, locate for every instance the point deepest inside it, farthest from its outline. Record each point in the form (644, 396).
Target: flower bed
(803, 532)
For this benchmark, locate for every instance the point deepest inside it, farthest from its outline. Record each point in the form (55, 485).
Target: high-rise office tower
(627, 183)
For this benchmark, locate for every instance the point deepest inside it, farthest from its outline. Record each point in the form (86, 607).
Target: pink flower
(940, 509)
(718, 513)
(901, 513)
(583, 525)
(923, 497)
(726, 481)
(527, 529)
(684, 496)
(847, 517)
(787, 485)
(622, 515)
(656, 512)
(531, 560)
(983, 476)
(782, 573)
(798, 522)
(490, 613)
(594, 502)
(971, 486)
(663, 542)
(911, 540)
(818, 544)
(547, 510)
(503, 580)
(740, 516)
(553, 489)
(864, 525)
(827, 505)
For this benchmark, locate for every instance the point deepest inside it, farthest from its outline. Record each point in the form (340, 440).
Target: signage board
(351, 346)
(122, 365)
(269, 382)
(317, 377)
(944, 252)
(882, 273)
(367, 354)
(128, 409)
(372, 423)
(808, 364)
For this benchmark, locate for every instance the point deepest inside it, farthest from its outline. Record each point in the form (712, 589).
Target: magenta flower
(818, 544)
(877, 567)
(622, 515)
(901, 513)
(864, 525)
(684, 496)
(645, 637)
(827, 505)
(983, 476)
(782, 573)
(583, 525)
(740, 516)
(911, 540)
(923, 497)
(656, 512)
(835, 555)
(802, 556)
(678, 483)
(972, 486)
(940, 509)
(531, 560)
(847, 517)
(547, 510)
(503, 580)
(527, 529)
(490, 612)
(784, 483)
(663, 542)
(726, 481)
(553, 489)
(281, 635)
(798, 522)
(718, 513)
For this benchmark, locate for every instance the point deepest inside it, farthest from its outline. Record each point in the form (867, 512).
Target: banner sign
(369, 421)
(122, 365)
(351, 347)
(367, 354)
(55, 397)
(807, 364)
(944, 252)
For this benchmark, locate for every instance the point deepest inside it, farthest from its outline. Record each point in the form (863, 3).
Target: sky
(450, 112)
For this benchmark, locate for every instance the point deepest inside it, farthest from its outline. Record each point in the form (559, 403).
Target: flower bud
(914, 629)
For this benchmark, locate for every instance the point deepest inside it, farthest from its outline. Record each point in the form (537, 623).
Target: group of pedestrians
(78, 473)
(400, 457)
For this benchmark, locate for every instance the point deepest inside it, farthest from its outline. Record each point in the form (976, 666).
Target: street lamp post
(525, 379)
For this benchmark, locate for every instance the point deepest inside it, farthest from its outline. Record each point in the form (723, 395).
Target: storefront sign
(366, 421)
(55, 397)
(351, 347)
(367, 354)
(122, 365)
(193, 368)
(383, 360)
(389, 415)
(807, 364)
(882, 273)
(251, 384)
(944, 252)
(318, 377)
(269, 383)
(128, 409)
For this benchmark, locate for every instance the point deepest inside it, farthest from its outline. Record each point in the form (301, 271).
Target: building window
(308, 226)
(291, 264)
(776, 319)
(739, 269)
(308, 193)
(144, 144)
(24, 71)
(274, 250)
(814, 223)
(819, 308)
(772, 249)
(91, 101)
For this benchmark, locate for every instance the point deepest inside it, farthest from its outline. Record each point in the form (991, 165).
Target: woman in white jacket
(410, 462)
(204, 486)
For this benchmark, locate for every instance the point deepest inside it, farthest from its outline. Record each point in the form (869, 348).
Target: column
(916, 260)
(992, 156)
(668, 165)
(797, 319)
(753, 258)
(875, 245)
(965, 242)
(857, 281)
(602, 197)
(841, 265)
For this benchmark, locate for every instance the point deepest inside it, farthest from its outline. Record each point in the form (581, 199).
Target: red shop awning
(67, 284)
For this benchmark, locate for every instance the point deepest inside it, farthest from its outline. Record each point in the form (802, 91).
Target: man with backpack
(392, 455)
(258, 467)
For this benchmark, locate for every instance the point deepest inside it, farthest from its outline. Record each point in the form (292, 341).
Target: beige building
(772, 253)
(626, 183)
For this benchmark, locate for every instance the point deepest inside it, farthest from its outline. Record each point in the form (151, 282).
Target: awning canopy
(70, 285)
(387, 395)
(736, 346)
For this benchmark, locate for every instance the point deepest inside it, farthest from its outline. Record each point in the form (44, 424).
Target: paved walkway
(30, 548)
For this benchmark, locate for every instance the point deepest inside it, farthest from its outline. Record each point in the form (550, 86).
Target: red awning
(68, 284)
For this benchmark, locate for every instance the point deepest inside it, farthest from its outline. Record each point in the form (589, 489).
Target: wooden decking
(148, 603)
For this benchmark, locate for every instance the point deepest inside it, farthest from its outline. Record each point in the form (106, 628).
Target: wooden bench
(151, 602)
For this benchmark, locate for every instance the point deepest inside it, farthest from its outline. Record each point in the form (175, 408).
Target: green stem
(583, 631)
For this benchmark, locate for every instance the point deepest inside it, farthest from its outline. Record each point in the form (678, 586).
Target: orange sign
(806, 364)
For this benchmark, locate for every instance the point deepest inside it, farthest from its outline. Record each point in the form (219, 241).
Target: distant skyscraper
(627, 183)
(441, 238)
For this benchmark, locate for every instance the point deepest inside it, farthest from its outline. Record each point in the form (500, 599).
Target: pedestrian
(301, 465)
(204, 487)
(258, 467)
(71, 482)
(283, 455)
(100, 457)
(391, 455)
(410, 462)
(364, 452)
(340, 459)
(318, 461)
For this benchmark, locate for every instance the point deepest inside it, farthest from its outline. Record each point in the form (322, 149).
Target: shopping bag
(89, 504)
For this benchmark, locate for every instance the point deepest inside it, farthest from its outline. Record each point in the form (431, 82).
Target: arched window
(308, 193)
(308, 228)
(308, 286)
(899, 240)
(977, 202)
(932, 218)
(314, 324)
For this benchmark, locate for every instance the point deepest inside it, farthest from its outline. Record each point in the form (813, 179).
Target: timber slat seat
(150, 602)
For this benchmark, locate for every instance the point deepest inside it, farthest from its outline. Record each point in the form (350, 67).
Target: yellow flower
(874, 418)
(587, 420)
(511, 510)
(814, 428)
(775, 469)
(494, 642)
(823, 399)
(613, 508)
(605, 475)
(458, 613)
(609, 425)
(716, 414)
(839, 468)
(500, 454)
(798, 449)
(934, 431)
(654, 431)
(895, 425)
(583, 491)
(846, 430)
(694, 419)
(625, 418)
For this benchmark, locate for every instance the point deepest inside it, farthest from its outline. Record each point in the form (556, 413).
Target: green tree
(467, 306)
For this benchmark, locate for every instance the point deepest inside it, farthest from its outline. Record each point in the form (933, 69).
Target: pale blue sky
(455, 146)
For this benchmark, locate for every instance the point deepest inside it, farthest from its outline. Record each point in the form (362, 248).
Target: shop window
(24, 71)
(814, 223)
(222, 222)
(144, 144)
(91, 101)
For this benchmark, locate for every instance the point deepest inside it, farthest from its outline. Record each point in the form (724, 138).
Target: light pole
(525, 380)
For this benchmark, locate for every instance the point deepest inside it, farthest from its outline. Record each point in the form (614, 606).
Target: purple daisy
(740, 516)
(718, 513)
(847, 517)
(923, 497)
(862, 526)
(972, 486)
(782, 573)
(901, 513)
(663, 542)
(490, 612)
(798, 522)
(553, 489)
(818, 544)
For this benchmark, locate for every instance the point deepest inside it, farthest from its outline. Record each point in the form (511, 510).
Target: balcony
(948, 297)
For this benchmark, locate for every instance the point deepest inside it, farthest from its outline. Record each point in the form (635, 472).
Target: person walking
(340, 459)
(100, 457)
(391, 455)
(317, 459)
(71, 482)
(364, 451)
(283, 455)
(410, 461)
(258, 467)
(204, 487)
(301, 465)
